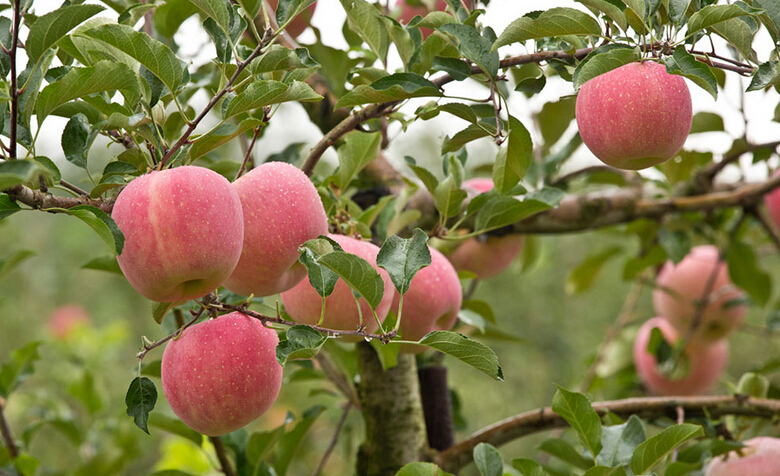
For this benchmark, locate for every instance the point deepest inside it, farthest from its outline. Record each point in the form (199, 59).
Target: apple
(772, 201)
(486, 255)
(679, 287)
(304, 304)
(634, 116)
(432, 301)
(282, 210)
(183, 232)
(410, 11)
(299, 23)
(706, 362)
(221, 374)
(761, 457)
(67, 318)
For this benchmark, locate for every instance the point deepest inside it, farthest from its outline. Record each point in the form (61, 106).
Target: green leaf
(620, 441)
(301, 342)
(101, 222)
(677, 9)
(49, 28)
(26, 464)
(611, 10)
(448, 195)
(554, 119)
(291, 441)
(152, 54)
(322, 279)
(488, 460)
(13, 260)
(286, 10)
(403, 258)
(103, 263)
(706, 122)
(81, 82)
(216, 10)
(140, 400)
(7, 206)
(714, 14)
(745, 272)
(684, 64)
(576, 409)
(513, 162)
(501, 211)
(469, 134)
(474, 46)
(753, 384)
(18, 367)
(737, 31)
(472, 352)
(364, 20)
(77, 138)
(564, 451)
(605, 471)
(677, 244)
(596, 64)
(552, 22)
(766, 74)
(421, 469)
(395, 87)
(266, 93)
(528, 467)
(358, 150)
(15, 172)
(771, 17)
(160, 310)
(584, 275)
(221, 135)
(280, 58)
(175, 426)
(656, 448)
(358, 273)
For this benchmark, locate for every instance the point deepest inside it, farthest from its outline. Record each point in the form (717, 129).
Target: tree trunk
(392, 410)
(437, 406)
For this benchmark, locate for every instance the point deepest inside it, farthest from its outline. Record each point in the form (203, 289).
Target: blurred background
(550, 334)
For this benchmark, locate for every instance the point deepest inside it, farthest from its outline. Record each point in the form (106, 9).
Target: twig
(195, 316)
(704, 301)
(334, 440)
(496, 110)
(224, 461)
(706, 174)
(740, 67)
(248, 153)
(338, 378)
(8, 437)
(647, 408)
(74, 188)
(627, 175)
(14, 91)
(768, 227)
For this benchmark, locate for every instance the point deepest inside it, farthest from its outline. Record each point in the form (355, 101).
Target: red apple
(183, 232)
(634, 116)
(761, 457)
(772, 201)
(221, 374)
(679, 287)
(67, 318)
(408, 12)
(282, 210)
(706, 362)
(432, 302)
(305, 306)
(486, 256)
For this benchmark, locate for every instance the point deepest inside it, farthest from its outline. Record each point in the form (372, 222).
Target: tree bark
(392, 410)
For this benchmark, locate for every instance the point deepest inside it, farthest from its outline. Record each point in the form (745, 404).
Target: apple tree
(353, 261)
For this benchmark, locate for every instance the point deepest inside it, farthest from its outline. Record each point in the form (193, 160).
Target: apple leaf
(470, 351)
(7, 206)
(358, 273)
(600, 62)
(301, 342)
(49, 28)
(552, 22)
(286, 10)
(605, 471)
(715, 14)
(358, 150)
(17, 171)
(13, 260)
(488, 460)
(364, 20)
(706, 122)
(656, 448)
(17, 367)
(684, 64)
(217, 10)
(403, 258)
(528, 467)
(746, 273)
(421, 469)
(322, 279)
(474, 46)
(101, 222)
(395, 87)
(677, 9)
(513, 161)
(264, 93)
(611, 10)
(103, 263)
(576, 409)
(766, 74)
(175, 426)
(140, 400)
(160, 310)
(620, 441)
(501, 211)
(291, 441)
(564, 451)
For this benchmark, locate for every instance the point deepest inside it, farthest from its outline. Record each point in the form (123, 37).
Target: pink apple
(772, 201)
(679, 287)
(221, 374)
(408, 12)
(634, 116)
(761, 457)
(706, 362)
(183, 232)
(67, 318)
(486, 256)
(305, 306)
(282, 210)
(432, 302)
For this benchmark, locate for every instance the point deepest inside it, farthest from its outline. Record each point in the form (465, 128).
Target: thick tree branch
(43, 200)
(647, 408)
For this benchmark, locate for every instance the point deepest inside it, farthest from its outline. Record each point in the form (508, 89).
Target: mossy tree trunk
(392, 410)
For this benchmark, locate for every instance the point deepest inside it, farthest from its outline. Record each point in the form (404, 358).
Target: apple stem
(400, 308)
(322, 313)
(376, 318)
